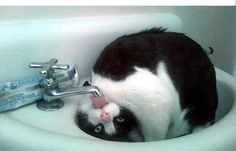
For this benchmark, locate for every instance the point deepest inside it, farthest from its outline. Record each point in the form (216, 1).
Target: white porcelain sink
(79, 41)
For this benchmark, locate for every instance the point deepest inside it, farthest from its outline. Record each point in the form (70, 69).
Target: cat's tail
(209, 50)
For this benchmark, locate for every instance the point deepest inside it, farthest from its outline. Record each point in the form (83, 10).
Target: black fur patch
(153, 30)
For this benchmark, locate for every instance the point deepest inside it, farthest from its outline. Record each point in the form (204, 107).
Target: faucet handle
(48, 67)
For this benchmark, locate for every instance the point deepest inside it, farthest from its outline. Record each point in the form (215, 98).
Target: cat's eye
(98, 129)
(120, 119)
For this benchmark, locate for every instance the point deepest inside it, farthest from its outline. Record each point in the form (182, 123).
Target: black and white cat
(156, 85)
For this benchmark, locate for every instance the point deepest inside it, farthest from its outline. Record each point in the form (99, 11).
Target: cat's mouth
(99, 102)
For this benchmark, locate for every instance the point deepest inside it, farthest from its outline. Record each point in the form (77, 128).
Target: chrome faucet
(51, 86)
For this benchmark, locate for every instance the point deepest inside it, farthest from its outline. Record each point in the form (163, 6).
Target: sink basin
(31, 129)
(79, 41)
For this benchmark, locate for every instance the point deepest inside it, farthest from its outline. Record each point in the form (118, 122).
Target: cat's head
(112, 122)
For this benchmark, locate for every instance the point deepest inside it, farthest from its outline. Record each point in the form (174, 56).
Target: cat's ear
(135, 135)
(86, 83)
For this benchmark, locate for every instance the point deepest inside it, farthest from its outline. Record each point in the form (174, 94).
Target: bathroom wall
(209, 26)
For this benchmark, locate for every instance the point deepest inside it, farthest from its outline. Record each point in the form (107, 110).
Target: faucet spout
(52, 90)
(59, 93)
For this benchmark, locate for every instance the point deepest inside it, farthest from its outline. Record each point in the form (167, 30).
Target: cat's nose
(105, 116)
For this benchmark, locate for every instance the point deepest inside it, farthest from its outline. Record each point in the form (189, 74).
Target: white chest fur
(151, 97)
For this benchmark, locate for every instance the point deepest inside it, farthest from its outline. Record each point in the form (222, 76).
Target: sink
(79, 41)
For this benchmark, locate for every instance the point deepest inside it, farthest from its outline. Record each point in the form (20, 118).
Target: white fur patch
(113, 110)
(152, 98)
(109, 128)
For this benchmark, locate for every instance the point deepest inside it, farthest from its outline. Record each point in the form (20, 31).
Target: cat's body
(164, 78)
